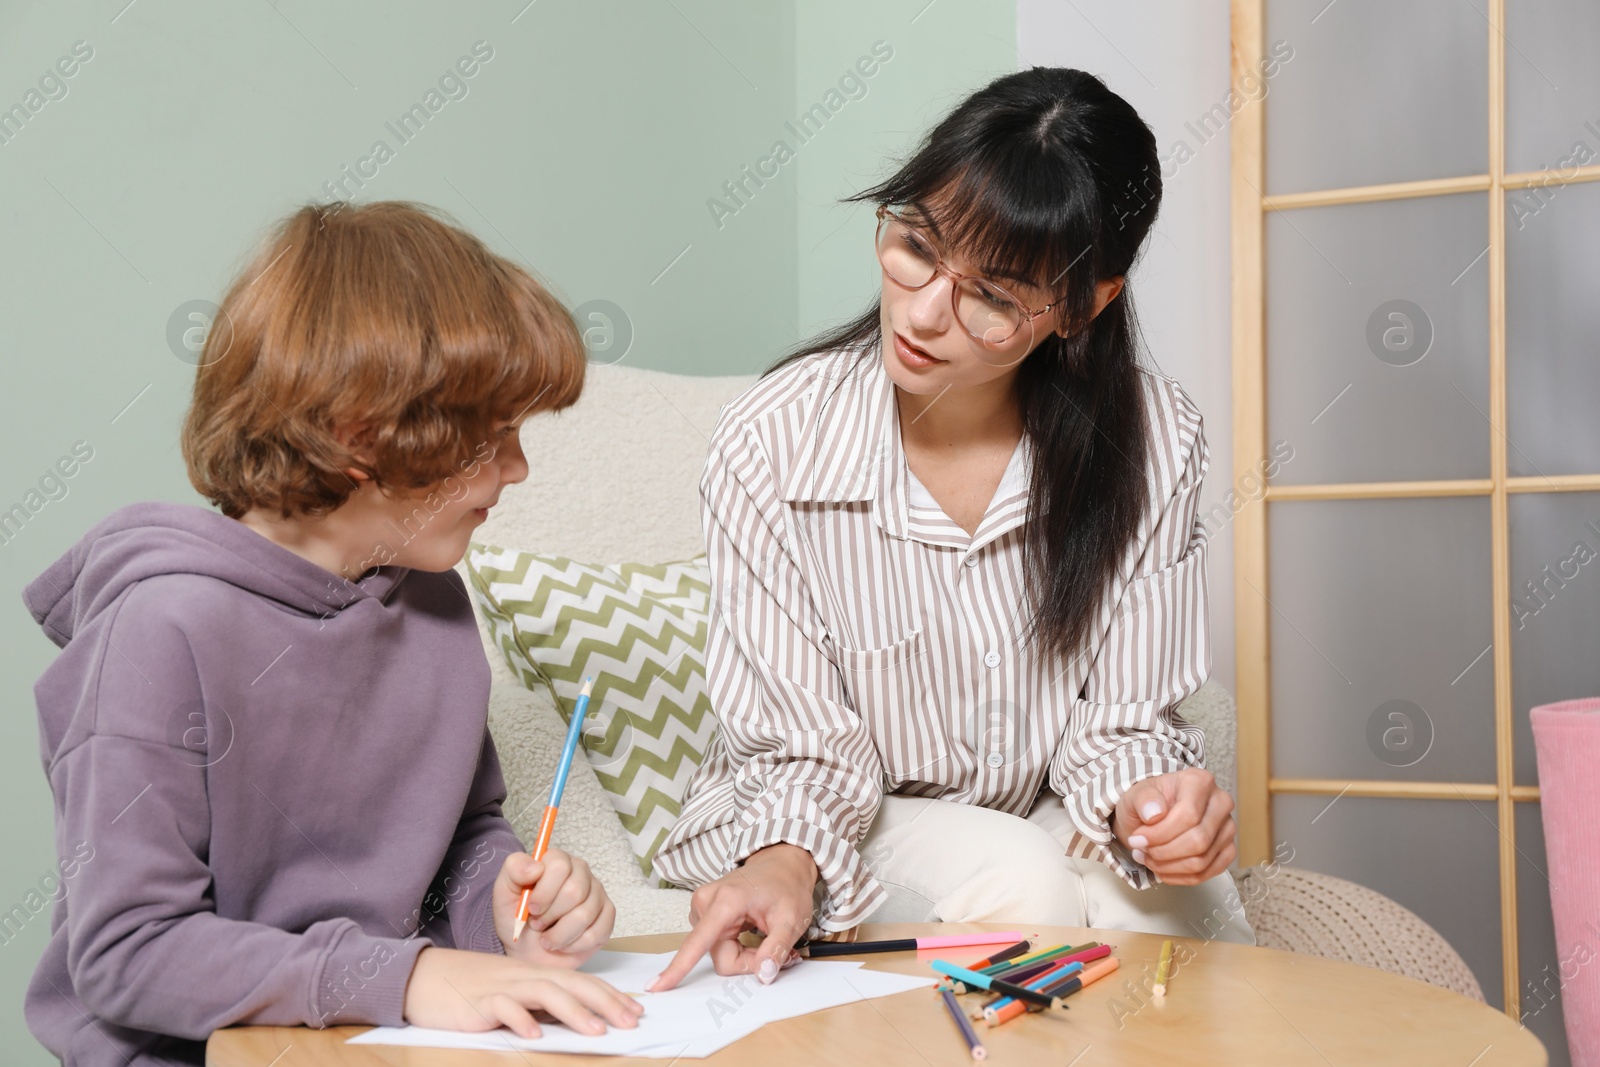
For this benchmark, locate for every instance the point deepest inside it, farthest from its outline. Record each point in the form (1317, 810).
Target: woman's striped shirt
(861, 643)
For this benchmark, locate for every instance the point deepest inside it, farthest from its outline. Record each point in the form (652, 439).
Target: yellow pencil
(1163, 969)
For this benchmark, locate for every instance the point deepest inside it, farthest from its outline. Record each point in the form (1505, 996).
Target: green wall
(589, 146)
(942, 52)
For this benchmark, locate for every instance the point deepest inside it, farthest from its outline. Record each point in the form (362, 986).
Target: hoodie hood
(146, 540)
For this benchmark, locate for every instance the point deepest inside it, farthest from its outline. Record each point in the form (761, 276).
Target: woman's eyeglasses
(989, 314)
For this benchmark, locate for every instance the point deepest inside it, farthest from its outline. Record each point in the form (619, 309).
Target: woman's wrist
(792, 872)
(787, 860)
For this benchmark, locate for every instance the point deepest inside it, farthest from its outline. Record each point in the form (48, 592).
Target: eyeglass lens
(985, 312)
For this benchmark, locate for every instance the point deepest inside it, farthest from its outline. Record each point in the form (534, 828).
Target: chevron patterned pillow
(640, 631)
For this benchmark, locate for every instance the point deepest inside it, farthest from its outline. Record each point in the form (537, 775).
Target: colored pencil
(1038, 985)
(967, 1032)
(1077, 955)
(1085, 956)
(999, 970)
(547, 824)
(1163, 969)
(1011, 969)
(983, 981)
(1055, 970)
(1095, 971)
(1010, 952)
(906, 944)
(1024, 975)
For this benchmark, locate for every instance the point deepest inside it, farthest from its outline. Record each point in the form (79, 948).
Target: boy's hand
(569, 914)
(1179, 825)
(455, 990)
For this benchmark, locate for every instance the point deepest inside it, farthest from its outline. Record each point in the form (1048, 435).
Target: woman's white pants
(943, 861)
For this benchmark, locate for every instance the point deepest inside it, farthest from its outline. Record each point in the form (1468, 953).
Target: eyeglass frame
(956, 277)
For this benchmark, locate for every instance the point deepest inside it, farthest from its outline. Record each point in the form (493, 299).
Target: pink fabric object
(1566, 737)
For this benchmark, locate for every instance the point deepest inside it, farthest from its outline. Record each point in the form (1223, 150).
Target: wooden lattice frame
(1256, 783)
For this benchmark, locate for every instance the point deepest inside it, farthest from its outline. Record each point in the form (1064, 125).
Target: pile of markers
(1021, 980)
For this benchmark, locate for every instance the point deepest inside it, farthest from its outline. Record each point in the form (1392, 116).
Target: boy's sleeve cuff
(363, 980)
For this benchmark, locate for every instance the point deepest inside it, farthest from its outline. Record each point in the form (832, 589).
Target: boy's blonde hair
(380, 315)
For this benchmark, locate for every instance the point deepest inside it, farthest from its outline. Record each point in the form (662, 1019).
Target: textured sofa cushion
(640, 632)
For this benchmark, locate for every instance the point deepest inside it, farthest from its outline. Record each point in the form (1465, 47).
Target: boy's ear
(356, 437)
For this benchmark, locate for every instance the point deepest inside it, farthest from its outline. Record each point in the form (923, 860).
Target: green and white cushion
(640, 632)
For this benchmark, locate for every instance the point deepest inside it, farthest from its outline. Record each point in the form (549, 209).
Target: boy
(269, 725)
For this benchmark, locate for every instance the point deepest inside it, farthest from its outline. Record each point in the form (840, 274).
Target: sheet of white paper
(811, 986)
(705, 1013)
(628, 971)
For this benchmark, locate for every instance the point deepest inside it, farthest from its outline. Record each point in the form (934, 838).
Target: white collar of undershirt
(1013, 480)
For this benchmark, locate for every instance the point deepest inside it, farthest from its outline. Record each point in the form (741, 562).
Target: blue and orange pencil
(547, 824)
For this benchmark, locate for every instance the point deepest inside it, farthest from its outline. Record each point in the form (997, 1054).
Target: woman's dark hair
(1051, 175)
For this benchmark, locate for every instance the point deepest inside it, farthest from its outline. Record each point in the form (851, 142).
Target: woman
(960, 581)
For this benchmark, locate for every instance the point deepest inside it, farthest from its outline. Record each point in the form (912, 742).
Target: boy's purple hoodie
(284, 782)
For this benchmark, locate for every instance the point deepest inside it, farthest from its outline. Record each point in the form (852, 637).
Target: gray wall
(1181, 288)
(587, 147)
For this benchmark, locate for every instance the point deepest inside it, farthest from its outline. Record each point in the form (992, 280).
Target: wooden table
(1229, 1005)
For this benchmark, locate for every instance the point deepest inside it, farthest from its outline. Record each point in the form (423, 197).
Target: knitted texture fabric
(1212, 709)
(613, 479)
(1319, 915)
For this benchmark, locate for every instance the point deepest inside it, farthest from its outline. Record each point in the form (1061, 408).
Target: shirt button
(972, 561)
(995, 759)
(991, 659)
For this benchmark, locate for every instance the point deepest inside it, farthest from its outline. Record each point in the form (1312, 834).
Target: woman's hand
(454, 990)
(769, 892)
(1179, 825)
(569, 914)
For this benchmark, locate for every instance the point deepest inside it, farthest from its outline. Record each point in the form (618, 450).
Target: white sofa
(615, 479)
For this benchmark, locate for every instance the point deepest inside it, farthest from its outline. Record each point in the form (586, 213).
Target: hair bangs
(384, 317)
(1017, 221)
